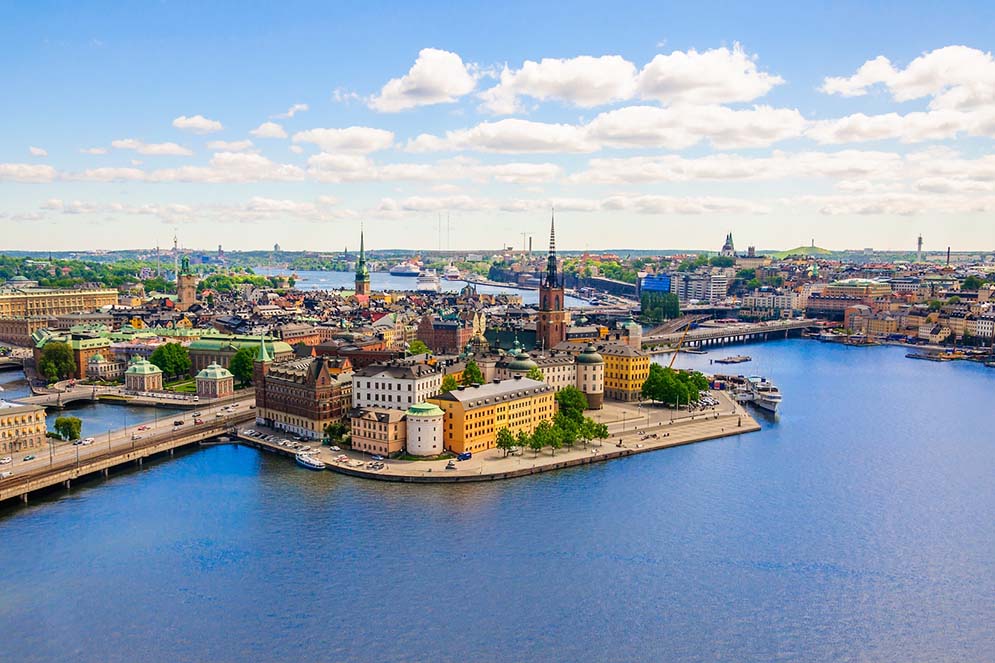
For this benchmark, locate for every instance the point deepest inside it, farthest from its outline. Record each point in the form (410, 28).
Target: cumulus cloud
(508, 136)
(639, 204)
(582, 81)
(197, 124)
(37, 151)
(908, 128)
(94, 150)
(436, 77)
(230, 145)
(292, 111)
(954, 77)
(26, 172)
(151, 149)
(350, 139)
(269, 130)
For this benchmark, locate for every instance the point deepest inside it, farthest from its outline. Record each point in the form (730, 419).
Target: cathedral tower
(551, 327)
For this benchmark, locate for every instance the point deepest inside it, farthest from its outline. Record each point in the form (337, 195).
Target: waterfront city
(681, 352)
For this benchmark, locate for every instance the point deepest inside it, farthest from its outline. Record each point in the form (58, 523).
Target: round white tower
(591, 376)
(424, 429)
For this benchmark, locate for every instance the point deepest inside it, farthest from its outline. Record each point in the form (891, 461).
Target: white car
(87, 441)
(4, 475)
(6, 460)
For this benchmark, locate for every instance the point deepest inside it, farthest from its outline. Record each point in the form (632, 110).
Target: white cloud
(269, 130)
(350, 139)
(954, 77)
(342, 96)
(151, 149)
(639, 204)
(37, 151)
(909, 128)
(900, 204)
(292, 111)
(26, 172)
(94, 150)
(714, 76)
(296, 149)
(197, 124)
(582, 81)
(230, 145)
(436, 77)
(508, 136)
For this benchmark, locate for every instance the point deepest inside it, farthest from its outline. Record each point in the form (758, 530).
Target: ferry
(766, 395)
(309, 461)
(428, 281)
(452, 273)
(405, 269)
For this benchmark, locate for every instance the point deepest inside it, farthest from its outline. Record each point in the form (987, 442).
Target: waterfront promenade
(639, 429)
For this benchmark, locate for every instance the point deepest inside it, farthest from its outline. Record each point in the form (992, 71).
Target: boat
(405, 268)
(452, 273)
(428, 281)
(737, 359)
(766, 395)
(693, 351)
(309, 461)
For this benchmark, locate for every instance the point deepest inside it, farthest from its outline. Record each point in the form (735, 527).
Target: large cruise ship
(452, 273)
(766, 395)
(428, 281)
(405, 268)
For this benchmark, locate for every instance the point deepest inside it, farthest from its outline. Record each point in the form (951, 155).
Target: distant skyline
(644, 125)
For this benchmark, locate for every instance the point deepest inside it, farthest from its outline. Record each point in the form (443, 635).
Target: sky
(461, 125)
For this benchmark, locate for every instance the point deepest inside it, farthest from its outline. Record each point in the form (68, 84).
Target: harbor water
(856, 526)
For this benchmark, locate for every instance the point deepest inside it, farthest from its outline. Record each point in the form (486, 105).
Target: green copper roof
(143, 367)
(590, 355)
(425, 410)
(522, 362)
(214, 372)
(263, 355)
(362, 271)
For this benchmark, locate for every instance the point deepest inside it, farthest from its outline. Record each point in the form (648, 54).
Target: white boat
(766, 395)
(309, 461)
(405, 269)
(452, 273)
(428, 281)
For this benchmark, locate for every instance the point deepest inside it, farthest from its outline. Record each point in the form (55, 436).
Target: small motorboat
(309, 461)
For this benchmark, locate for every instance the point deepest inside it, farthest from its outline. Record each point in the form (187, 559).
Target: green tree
(243, 364)
(595, 430)
(568, 428)
(449, 383)
(69, 428)
(418, 347)
(659, 306)
(535, 374)
(472, 374)
(505, 440)
(335, 432)
(56, 361)
(172, 358)
(555, 438)
(572, 402)
(539, 437)
(522, 439)
(722, 261)
(972, 283)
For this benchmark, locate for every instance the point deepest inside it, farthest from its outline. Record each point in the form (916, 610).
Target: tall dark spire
(362, 272)
(551, 277)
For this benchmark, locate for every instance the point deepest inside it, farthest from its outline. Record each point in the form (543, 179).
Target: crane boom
(679, 344)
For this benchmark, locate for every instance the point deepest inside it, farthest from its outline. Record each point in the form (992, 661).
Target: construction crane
(679, 344)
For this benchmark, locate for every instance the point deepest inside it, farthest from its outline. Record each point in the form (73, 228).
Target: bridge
(11, 362)
(731, 333)
(678, 324)
(70, 462)
(59, 399)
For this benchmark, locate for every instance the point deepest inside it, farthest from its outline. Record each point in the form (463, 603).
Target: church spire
(551, 276)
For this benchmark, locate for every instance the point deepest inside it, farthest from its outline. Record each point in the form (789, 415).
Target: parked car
(136, 436)
(29, 457)
(4, 475)
(87, 441)
(144, 427)
(378, 457)
(195, 415)
(219, 414)
(6, 460)
(178, 422)
(466, 455)
(198, 421)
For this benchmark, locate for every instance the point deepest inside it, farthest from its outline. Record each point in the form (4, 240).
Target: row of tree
(660, 306)
(665, 385)
(567, 428)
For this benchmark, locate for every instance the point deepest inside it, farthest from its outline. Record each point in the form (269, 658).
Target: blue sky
(683, 122)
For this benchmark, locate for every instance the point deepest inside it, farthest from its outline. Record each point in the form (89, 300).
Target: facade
(48, 303)
(362, 271)
(83, 345)
(378, 431)
(699, 286)
(625, 371)
(142, 375)
(445, 336)
(219, 349)
(395, 386)
(553, 320)
(474, 415)
(301, 396)
(865, 289)
(22, 427)
(186, 287)
(215, 381)
(580, 366)
(18, 331)
(424, 429)
(99, 367)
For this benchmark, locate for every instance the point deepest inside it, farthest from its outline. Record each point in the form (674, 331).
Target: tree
(522, 439)
(56, 361)
(555, 438)
(658, 306)
(242, 365)
(418, 347)
(172, 358)
(572, 402)
(472, 374)
(335, 432)
(539, 436)
(595, 430)
(722, 261)
(449, 383)
(69, 428)
(972, 283)
(505, 440)
(569, 429)
(535, 374)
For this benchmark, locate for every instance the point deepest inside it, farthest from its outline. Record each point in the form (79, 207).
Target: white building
(699, 286)
(395, 387)
(424, 429)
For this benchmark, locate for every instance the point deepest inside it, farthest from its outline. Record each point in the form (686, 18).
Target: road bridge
(731, 333)
(678, 324)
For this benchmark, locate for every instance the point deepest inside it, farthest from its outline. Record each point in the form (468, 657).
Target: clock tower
(551, 327)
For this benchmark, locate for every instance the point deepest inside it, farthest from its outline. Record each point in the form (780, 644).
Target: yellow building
(863, 288)
(52, 302)
(22, 427)
(626, 369)
(474, 415)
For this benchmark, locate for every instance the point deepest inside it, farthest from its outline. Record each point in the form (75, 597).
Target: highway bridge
(741, 332)
(678, 324)
(65, 463)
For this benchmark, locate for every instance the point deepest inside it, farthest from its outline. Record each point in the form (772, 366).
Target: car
(29, 457)
(219, 414)
(252, 407)
(466, 455)
(178, 422)
(6, 460)
(378, 457)
(144, 428)
(450, 465)
(136, 436)
(87, 441)
(195, 415)
(4, 475)
(333, 448)
(198, 421)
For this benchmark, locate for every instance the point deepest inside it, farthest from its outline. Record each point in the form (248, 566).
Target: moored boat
(405, 268)
(309, 461)
(428, 281)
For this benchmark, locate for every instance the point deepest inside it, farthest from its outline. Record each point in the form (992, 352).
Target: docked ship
(428, 281)
(766, 395)
(452, 273)
(309, 461)
(405, 268)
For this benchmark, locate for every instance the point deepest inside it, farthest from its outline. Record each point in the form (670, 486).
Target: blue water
(312, 280)
(858, 526)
